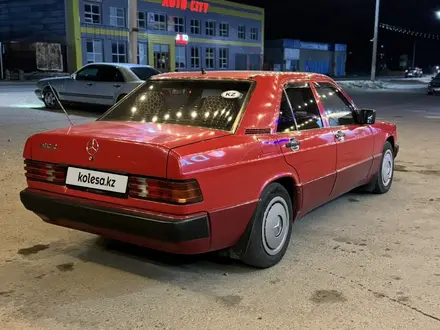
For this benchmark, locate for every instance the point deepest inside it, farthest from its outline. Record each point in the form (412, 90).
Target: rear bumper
(116, 222)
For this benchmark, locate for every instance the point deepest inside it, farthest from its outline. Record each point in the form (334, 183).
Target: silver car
(95, 83)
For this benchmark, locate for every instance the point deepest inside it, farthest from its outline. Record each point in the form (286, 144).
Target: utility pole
(414, 55)
(375, 40)
(132, 31)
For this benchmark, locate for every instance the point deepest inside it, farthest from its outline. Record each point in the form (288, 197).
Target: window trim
(241, 32)
(91, 12)
(214, 28)
(194, 27)
(224, 24)
(212, 57)
(117, 53)
(145, 19)
(311, 86)
(341, 94)
(256, 34)
(199, 57)
(220, 66)
(124, 24)
(183, 25)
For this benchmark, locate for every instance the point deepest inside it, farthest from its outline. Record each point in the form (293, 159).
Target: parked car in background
(413, 73)
(96, 83)
(434, 85)
(195, 162)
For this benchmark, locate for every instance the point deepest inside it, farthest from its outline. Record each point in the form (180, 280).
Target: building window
(209, 58)
(142, 20)
(195, 57)
(241, 32)
(180, 57)
(119, 54)
(210, 28)
(179, 24)
(196, 26)
(94, 51)
(142, 57)
(117, 16)
(92, 13)
(160, 22)
(224, 30)
(254, 34)
(223, 58)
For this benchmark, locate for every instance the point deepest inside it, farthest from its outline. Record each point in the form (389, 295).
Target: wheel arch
(290, 181)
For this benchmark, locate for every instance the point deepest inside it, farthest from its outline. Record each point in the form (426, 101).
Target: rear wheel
(49, 99)
(272, 228)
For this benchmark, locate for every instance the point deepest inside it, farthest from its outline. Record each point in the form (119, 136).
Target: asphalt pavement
(360, 262)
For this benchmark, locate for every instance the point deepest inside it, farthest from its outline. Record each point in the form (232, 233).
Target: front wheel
(49, 99)
(272, 228)
(384, 178)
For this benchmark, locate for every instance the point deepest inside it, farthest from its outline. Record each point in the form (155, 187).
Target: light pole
(376, 32)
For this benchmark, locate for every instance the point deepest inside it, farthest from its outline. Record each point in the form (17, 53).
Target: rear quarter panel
(232, 172)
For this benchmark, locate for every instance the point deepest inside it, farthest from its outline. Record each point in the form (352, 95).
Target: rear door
(354, 142)
(308, 146)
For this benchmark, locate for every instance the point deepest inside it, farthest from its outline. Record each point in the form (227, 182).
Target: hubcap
(276, 222)
(49, 98)
(387, 168)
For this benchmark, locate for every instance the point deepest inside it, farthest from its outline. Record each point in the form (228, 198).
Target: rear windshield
(144, 73)
(204, 103)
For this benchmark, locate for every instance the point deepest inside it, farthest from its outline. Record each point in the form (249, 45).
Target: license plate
(96, 180)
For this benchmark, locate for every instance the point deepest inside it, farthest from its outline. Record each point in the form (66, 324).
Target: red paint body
(232, 168)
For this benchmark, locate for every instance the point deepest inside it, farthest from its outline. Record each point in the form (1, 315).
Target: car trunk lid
(120, 147)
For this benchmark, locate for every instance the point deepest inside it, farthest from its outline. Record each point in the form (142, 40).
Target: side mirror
(366, 116)
(73, 76)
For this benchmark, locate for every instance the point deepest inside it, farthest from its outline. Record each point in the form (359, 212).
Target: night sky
(335, 21)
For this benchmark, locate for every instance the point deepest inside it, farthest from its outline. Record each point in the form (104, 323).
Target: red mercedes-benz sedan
(195, 162)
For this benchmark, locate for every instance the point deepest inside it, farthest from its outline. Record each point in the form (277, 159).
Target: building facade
(173, 35)
(296, 55)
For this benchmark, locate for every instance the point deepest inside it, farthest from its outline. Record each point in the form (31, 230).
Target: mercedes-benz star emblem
(92, 147)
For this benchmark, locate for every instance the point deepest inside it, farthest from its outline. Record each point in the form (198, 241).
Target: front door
(161, 55)
(110, 81)
(307, 145)
(82, 88)
(354, 142)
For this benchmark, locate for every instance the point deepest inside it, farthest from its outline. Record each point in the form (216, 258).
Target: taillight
(173, 192)
(45, 172)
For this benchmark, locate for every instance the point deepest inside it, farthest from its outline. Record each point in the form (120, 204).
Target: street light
(376, 32)
(437, 14)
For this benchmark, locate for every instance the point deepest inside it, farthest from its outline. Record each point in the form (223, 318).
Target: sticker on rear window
(231, 95)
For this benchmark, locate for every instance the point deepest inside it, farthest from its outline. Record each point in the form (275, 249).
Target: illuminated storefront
(184, 35)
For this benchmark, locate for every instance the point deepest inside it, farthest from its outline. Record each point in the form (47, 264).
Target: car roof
(243, 75)
(124, 65)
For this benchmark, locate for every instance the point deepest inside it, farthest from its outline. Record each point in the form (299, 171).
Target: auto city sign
(193, 5)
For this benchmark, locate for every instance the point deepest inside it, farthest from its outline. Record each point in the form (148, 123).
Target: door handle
(89, 84)
(293, 144)
(340, 135)
(116, 85)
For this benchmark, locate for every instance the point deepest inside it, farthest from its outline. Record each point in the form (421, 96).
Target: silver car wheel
(387, 168)
(49, 98)
(276, 222)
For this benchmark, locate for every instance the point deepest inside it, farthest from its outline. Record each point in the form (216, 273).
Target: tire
(384, 178)
(120, 97)
(49, 99)
(272, 228)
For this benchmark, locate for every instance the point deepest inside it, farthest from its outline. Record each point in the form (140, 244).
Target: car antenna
(203, 71)
(59, 102)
